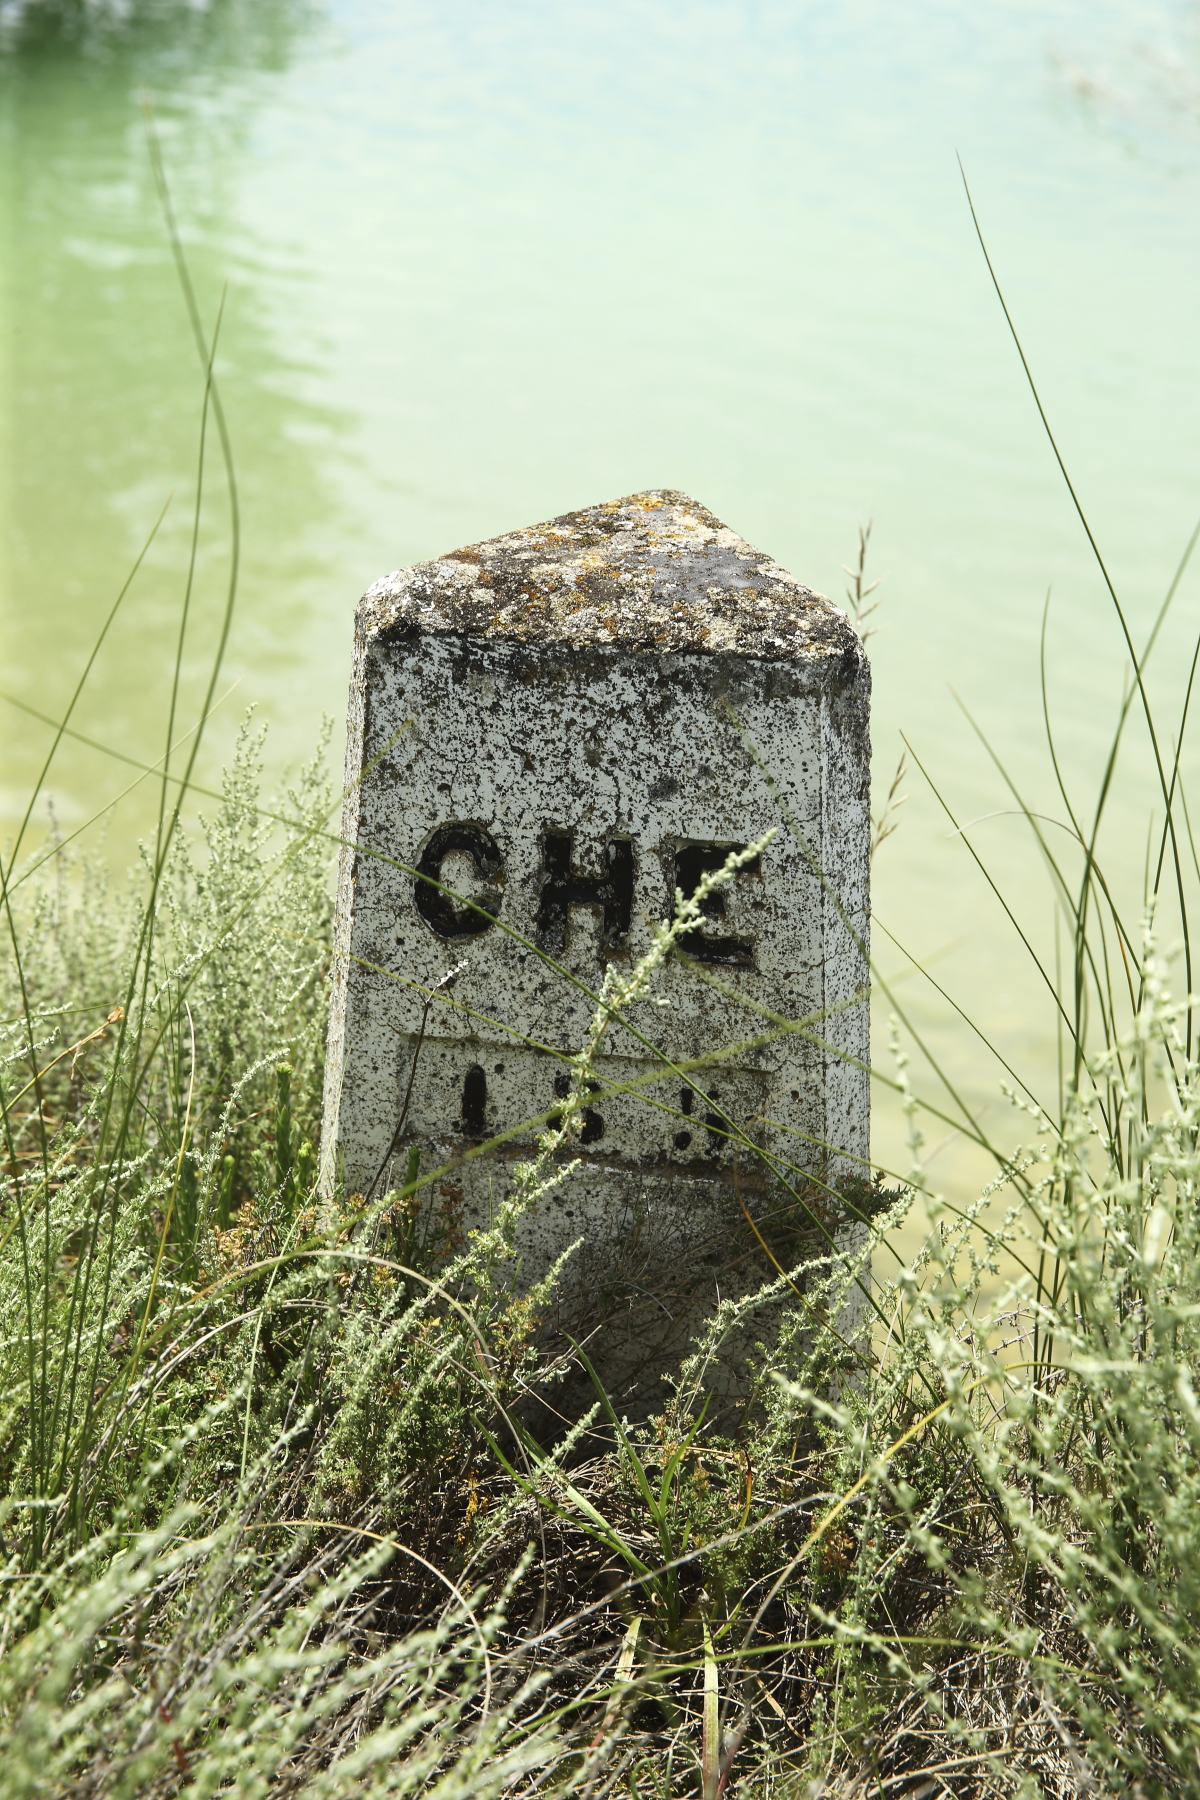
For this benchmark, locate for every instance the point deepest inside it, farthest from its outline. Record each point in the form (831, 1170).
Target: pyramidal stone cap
(550, 734)
(656, 570)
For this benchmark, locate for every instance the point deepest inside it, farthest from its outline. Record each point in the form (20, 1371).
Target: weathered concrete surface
(549, 725)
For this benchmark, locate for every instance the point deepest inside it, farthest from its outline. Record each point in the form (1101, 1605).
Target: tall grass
(275, 1519)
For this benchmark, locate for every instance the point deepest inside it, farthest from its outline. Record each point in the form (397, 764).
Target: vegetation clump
(276, 1520)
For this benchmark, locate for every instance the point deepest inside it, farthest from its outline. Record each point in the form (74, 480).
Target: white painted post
(556, 725)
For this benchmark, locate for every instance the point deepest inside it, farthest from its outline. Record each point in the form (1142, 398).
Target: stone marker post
(563, 725)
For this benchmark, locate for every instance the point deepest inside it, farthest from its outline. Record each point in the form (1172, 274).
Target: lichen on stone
(655, 570)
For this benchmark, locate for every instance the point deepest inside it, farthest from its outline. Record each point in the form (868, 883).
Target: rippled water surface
(486, 262)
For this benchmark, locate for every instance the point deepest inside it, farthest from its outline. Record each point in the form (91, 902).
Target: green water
(489, 261)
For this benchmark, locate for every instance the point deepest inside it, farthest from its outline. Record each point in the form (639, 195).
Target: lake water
(491, 259)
